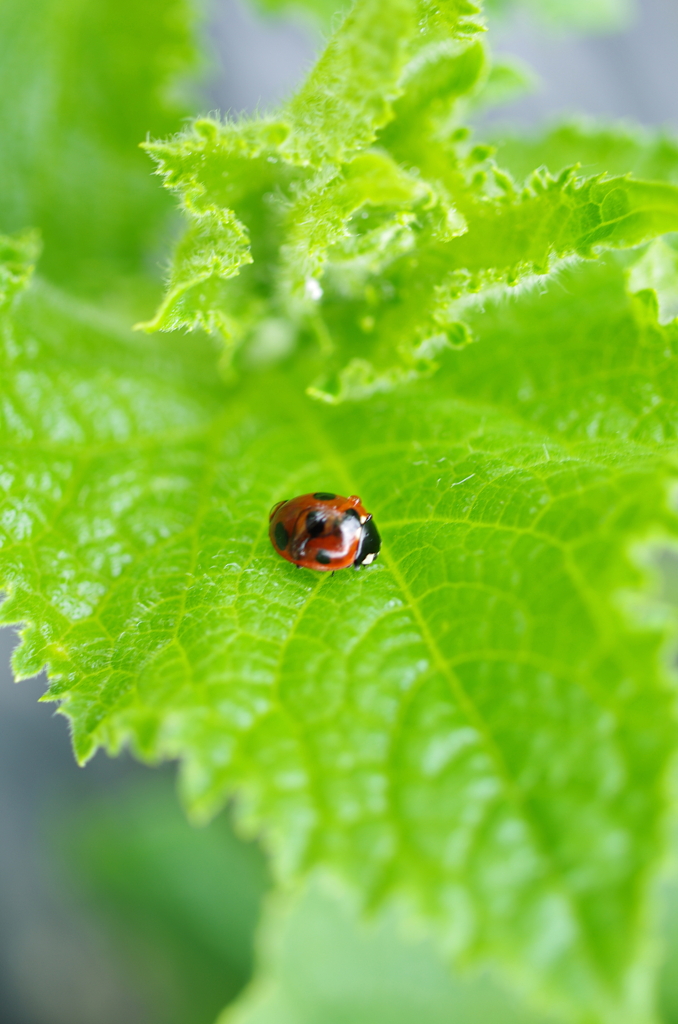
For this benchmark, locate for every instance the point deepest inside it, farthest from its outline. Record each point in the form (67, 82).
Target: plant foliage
(473, 727)
(587, 15)
(182, 902)
(82, 85)
(376, 221)
(318, 961)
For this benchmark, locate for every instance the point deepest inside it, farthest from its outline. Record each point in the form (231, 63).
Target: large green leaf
(81, 84)
(318, 961)
(471, 722)
(474, 727)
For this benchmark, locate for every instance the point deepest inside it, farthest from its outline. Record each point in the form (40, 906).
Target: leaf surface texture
(397, 723)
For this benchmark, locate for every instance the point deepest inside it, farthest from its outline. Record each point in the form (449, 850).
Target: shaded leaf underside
(319, 960)
(469, 721)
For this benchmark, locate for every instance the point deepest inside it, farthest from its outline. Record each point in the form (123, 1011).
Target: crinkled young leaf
(306, 176)
(81, 84)
(433, 83)
(319, 216)
(212, 250)
(506, 241)
(471, 723)
(436, 13)
(598, 148)
(377, 223)
(214, 168)
(346, 97)
(578, 14)
(394, 272)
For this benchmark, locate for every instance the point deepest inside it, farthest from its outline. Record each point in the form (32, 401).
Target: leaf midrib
(474, 717)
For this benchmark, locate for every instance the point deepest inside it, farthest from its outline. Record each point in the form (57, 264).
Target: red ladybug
(324, 531)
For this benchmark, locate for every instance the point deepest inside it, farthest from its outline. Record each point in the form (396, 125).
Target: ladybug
(324, 531)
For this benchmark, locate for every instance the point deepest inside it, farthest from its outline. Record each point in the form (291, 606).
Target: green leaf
(657, 270)
(17, 262)
(319, 961)
(508, 79)
(476, 728)
(179, 904)
(470, 723)
(440, 13)
(319, 216)
(580, 15)
(509, 240)
(599, 148)
(377, 224)
(300, 183)
(212, 250)
(81, 84)
(324, 11)
(577, 15)
(347, 95)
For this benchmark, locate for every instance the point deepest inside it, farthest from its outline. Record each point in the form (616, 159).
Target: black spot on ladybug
(350, 513)
(281, 536)
(315, 522)
(323, 558)
(369, 545)
(324, 496)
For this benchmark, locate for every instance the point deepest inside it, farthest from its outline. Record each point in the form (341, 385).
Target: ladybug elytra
(324, 531)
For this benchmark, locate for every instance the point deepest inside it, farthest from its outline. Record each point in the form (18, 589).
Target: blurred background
(129, 913)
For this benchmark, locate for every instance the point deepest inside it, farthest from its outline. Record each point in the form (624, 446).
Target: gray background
(630, 74)
(57, 964)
